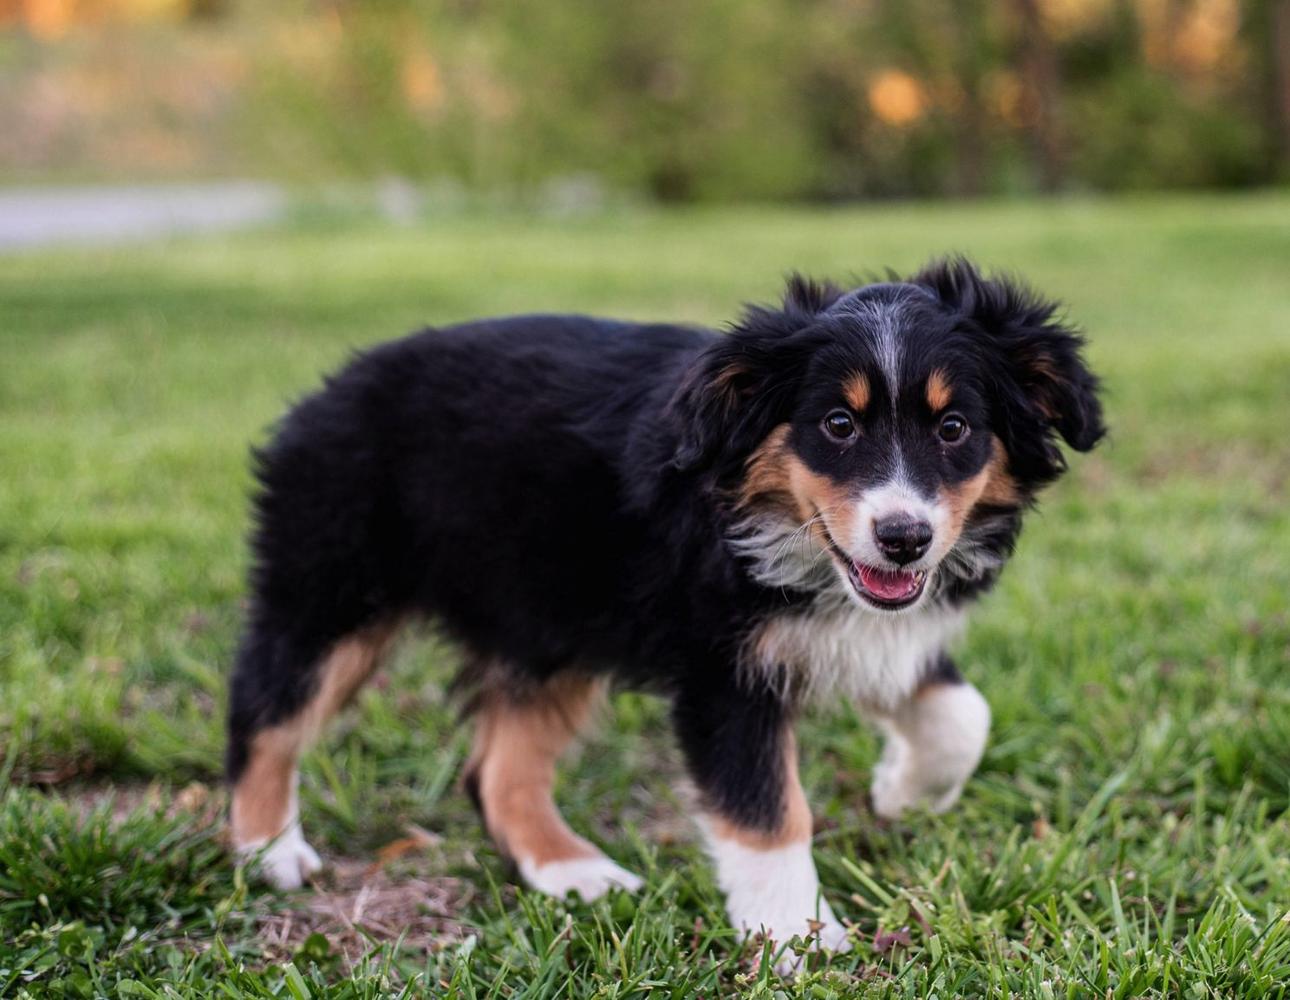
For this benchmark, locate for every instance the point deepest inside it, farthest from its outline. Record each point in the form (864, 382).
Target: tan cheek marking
(819, 494)
(1001, 489)
(938, 390)
(855, 390)
(794, 824)
(992, 485)
(517, 745)
(775, 477)
(262, 796)
(767, 474)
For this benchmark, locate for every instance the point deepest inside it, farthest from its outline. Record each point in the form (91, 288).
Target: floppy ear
(1044, 384)
(743, 385)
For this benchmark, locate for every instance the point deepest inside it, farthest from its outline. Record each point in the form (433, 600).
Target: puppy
(805, 506)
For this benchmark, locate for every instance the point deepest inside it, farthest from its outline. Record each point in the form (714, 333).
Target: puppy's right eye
(953, 428)
(839, 425)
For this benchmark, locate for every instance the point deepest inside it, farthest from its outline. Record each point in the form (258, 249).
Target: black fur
(1040, 378)
(553, 492)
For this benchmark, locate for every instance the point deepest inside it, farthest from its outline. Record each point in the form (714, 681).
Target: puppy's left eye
(954, 428)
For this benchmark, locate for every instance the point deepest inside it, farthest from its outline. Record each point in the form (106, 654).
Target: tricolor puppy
(805, 505)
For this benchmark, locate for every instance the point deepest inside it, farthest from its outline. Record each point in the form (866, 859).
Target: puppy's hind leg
(281, 697)
(519, 737)
(934, 741)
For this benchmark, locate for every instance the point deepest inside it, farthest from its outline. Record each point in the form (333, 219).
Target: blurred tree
(209, 10)
(1038, 60)
(1266, 28)
(1279, 57)
(973, 54)
(766, 99)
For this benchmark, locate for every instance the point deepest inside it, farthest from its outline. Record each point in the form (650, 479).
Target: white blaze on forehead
(896, 496)
(883, 319)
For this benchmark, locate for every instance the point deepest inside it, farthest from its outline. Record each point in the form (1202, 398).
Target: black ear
(743, 385)
(1044, 384)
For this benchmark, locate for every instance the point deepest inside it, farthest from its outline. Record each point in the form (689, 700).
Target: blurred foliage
(798, 99)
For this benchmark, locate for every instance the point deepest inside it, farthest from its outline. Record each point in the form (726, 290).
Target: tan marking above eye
(938, 390)
(855, 390)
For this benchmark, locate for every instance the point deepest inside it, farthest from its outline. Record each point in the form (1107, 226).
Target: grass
(1127, 834)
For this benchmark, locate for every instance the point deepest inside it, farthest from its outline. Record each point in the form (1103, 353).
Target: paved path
(36, 217)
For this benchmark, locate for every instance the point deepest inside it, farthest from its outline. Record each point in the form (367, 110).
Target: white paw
(890, 792)
(589, 877)
(933, 746)
(287, 862)
(824, 931)
(775, 892)
(832, 936)
(897, 789)
(945, 801)
(825, 934)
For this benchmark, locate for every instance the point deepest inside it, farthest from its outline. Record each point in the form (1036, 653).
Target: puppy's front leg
(934, 741)
(742, 755)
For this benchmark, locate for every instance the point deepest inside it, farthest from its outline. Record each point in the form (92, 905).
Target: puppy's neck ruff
(833, 647)
(834, 650)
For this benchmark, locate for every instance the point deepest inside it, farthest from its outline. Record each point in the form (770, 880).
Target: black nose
(901, 538)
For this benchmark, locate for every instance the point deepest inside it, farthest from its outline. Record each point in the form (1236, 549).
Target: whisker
(788, 555)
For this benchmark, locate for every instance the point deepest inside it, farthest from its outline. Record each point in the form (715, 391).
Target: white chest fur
(844, 651)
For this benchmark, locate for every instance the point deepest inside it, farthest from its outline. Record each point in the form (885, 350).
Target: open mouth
(889, 589)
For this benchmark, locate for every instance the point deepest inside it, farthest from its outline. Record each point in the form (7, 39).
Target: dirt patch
(355, 904)
(358, 908)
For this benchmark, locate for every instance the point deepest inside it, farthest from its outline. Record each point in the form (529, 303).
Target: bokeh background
(819, 100)
(207, 204)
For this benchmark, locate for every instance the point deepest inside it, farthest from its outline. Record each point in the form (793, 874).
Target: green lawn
(1127, 834)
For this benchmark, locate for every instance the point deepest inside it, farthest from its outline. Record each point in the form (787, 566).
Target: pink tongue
(890, 585)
